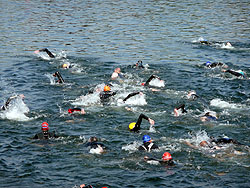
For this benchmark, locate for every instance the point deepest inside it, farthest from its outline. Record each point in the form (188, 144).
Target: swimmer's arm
(131, 95)
(233, 72)
(150, 78)
(190, 145)
(48, 52)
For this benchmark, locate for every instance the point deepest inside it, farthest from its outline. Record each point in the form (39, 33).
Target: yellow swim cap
(131, 125)
(64, 66)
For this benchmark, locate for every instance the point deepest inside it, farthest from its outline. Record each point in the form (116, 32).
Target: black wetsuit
(150, 78)
(182, 107)
(45, 135)
(148, 146)
(168, 163)
(59, 76)
(212, 65)
(105, 95)
(131, 95)
(235, 73)
(94, 145)
(138, 65)
(138, 123)
(205, 42)
(71, 110)
(221, 141)
(209, 116)
(48, 52)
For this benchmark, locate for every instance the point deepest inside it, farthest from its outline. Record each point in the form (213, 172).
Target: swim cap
(64, 66)
(70, 111)
(241, 72)
(208, 63)
(107, 88)
(142, 84)
(131, 125)
(166, 156)
(45, 126)
(146, 138)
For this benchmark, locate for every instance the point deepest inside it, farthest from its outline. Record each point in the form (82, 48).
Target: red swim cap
(70, 111)
(45, 126)
(166, 156)
(142, 84)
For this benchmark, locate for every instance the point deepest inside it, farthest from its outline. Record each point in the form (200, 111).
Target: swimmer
(76, 110)
(180, 110)
(148, 145)
(136, 126)
(208, 64)
(166, 159)
(139, 65)
(204, 41)
(106, 94)
(45, 134)
(93, 144)
(229, 45)
(59, 76)
(214, 144)
(238, 73)
(117, 73)
(45, 50)
(209, 116)
(7, 103)
(192, 95)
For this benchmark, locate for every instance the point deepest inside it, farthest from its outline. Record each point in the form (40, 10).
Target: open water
(96, 37)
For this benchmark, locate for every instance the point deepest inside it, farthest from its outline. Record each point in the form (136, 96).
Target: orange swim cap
(107, 88)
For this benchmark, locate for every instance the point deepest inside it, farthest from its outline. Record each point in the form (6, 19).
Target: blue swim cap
(146, 138)
(208, 63)
(241, 72)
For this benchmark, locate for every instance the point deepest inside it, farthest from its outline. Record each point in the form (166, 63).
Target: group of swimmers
(148, 145)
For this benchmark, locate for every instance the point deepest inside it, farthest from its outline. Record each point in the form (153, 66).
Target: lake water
(96, 37)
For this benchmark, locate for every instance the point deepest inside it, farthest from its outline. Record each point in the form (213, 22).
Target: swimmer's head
(65, 66)
(242, 73)
(166, 156)
(93, 139)
(118, 70)
(208, 63)
(146, 138)
(107, 88)
(45, 126)
(203, 143)
(142, 84)
(131, 126)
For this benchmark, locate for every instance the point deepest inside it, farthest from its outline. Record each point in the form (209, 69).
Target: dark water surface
(96, 37)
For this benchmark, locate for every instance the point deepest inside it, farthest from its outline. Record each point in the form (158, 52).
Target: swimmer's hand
(152, 122)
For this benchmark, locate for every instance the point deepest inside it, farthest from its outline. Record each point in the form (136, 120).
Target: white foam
(157, 83)
(223, 104)
(16, 111)
(131, 147)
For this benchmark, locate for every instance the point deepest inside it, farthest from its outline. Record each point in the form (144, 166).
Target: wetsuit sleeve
(234, 73)
(130, 95)
(35, 137)
(59, 76)
(48, 52)
(138, 123)
(150, 78)
(182, 107)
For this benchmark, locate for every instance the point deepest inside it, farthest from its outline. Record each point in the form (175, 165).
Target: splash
(131, 147)
(223, 104)
(16, 111)
(157, 83)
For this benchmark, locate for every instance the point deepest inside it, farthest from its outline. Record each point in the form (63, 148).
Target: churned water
(96, 37)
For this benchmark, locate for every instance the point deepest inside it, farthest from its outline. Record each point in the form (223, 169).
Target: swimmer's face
(118, 70)
(203, 143)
